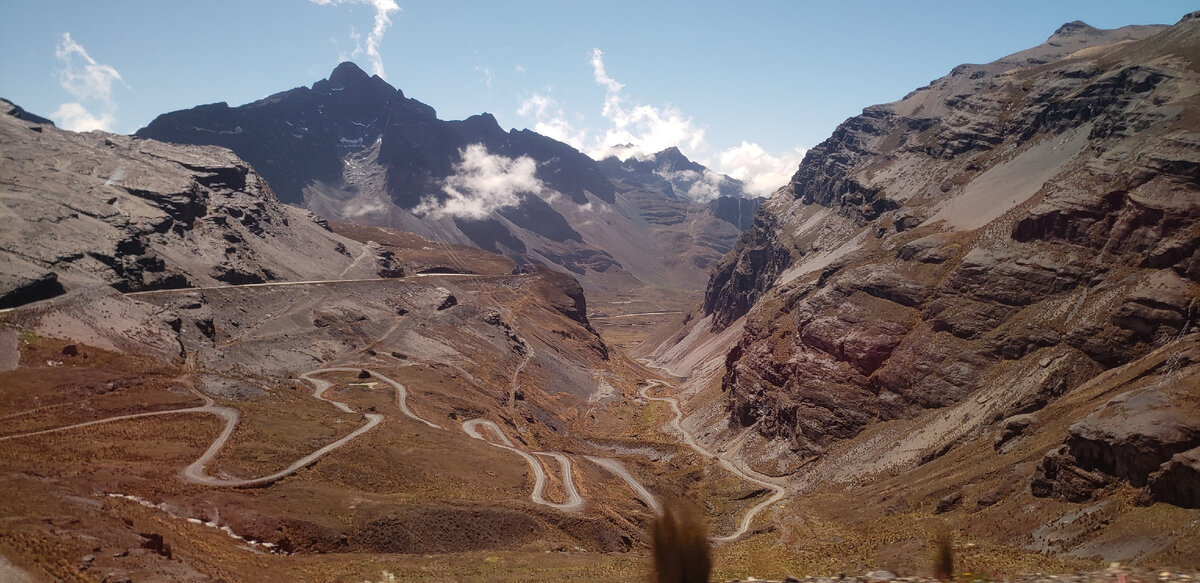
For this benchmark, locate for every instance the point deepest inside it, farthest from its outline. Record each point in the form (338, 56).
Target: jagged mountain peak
(353, 147)
(483, 123)
(672, 174)
(671, 152)
(348, 77)
(672, 160)
(347, 71)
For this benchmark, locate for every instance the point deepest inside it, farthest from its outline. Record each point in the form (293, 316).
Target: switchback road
(747, 474)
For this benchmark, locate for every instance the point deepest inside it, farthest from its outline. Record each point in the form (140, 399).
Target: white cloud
(633, 129)
(551, 121)
(761, 172)
(649, 129)
(610, 85)
(697, 186)
(76, 117)
(706, 187)
(383, 21)
(483, 183)
(88, 81)
(358, 209)
(640, 130)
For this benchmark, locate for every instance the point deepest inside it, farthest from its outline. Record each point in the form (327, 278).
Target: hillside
(1004, 262)
(90, 209)
(209, 384)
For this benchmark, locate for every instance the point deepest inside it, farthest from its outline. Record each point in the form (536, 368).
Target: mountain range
(352, 147)
(297, 340)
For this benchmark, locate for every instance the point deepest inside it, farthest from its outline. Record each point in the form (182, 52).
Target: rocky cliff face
(997, 239)
(353, 148)
(88, 209)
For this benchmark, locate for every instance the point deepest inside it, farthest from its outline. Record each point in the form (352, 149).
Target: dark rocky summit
(664, 184)
(302, 136)
(354, 135)
(980, 251)
(672, 174)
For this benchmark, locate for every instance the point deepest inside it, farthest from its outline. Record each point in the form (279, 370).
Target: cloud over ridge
(483, 183)
(638, 130)
(760, 172)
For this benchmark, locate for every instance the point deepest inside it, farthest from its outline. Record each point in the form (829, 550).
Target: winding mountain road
(288, 283)
(574, 501)
(264, 284)
(195, 472)
(618, 469)
(210, 408)
(745, 474)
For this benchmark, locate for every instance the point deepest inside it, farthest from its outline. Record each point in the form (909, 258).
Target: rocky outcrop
(568, 295)
(1178, 480)
(1140, 437)
(738, 212)
(825, 176)
(98, 209)
(17, 289)
(936, 248)
(19, 112)
(746, 272)
(1134, 434)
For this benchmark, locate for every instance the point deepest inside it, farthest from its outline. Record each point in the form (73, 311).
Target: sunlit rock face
(96, 209)
(986, 246)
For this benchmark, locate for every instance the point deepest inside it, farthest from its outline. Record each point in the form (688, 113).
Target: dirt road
(746, 474)
(618, 469)
(574, 501)
(196, 473)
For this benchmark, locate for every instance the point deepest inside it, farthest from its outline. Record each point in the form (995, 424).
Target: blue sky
(743, 87)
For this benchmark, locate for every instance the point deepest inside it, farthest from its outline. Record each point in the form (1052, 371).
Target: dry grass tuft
(943, 555)
(681, 551)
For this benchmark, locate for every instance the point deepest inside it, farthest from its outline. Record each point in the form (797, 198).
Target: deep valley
(274, 342)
